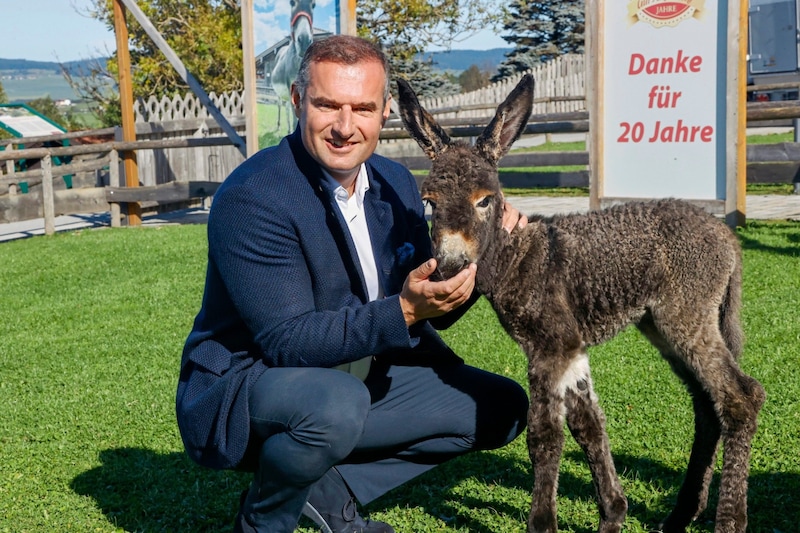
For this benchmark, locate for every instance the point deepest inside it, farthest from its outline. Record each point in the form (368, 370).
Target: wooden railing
(779, 163)
(107, 158)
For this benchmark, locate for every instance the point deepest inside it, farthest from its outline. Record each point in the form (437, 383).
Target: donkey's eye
(427, 202)
(484, 202)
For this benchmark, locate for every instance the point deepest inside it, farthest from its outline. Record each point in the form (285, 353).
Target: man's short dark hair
(344, 50)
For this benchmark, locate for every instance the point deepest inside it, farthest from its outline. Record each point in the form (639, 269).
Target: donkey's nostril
(449, 266)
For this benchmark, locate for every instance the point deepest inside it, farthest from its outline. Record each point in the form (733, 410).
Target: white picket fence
(188, 106)
(182, 117)
(560, 87)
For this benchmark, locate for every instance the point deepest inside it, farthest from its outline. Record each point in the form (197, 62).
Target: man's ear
(387, 109)
(296, 101)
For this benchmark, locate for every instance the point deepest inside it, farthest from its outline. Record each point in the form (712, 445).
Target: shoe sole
(313, 514)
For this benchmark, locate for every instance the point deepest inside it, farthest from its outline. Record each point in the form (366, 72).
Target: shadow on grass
(773, 508)
(140, 490)
(789, 231)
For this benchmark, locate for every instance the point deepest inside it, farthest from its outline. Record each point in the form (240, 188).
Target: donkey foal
(564, 283)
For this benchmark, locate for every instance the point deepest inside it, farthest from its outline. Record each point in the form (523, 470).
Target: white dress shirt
(352, 209)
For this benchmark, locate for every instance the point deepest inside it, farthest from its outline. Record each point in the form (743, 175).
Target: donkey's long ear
(508, 123)
(419, 123)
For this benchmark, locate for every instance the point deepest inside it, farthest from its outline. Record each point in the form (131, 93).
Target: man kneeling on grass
(318, 262)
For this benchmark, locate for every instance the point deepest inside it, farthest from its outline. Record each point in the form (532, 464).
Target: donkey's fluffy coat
(564, 283)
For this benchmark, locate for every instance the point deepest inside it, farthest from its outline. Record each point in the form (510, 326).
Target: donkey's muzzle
(450, 265)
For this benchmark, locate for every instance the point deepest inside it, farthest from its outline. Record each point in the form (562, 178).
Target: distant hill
(460, 60)
(453, 60)
(52, 66)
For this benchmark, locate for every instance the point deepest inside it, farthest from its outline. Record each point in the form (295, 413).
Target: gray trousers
(403, 420)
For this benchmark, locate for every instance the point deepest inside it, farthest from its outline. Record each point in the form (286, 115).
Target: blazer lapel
(379, 222)
(344, 241)
(336, 222)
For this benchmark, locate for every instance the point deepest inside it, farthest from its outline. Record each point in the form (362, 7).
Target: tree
(205, 34)
(473, 79)
(96, 86)
(420, 74)
(407, 29)
(47, 107)
(4, 100)
(541, 30)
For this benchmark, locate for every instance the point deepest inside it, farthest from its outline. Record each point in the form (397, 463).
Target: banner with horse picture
(282, 32)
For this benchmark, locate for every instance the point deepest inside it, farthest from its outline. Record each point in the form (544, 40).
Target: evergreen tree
(541, 30)
(421, 75)
(407, 29)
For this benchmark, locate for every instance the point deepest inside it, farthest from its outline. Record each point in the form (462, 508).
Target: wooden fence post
(134, 215)
(48, 200)
(10, 162)
(113, 181)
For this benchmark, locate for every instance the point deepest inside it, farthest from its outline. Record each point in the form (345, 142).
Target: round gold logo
(660, 13)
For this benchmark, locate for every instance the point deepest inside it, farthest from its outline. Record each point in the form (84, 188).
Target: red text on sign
(665, 133)
(662, 97)
(679, 64)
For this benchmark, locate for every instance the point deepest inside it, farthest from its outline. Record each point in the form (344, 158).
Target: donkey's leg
(693, 495)
(587, 424)
(737, 399)
(545, 442)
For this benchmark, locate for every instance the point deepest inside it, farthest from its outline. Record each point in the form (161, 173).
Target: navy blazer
(284, 288)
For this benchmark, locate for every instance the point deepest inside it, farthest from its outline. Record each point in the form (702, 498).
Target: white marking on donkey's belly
(577, 371)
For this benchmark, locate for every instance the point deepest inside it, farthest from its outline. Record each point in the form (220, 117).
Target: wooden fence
(560, 88)
(48, 197)
(184, 117)
(183, 155)
(778, 163)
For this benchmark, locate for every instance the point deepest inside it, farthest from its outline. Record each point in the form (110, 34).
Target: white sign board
(20, 121)
(663, 107)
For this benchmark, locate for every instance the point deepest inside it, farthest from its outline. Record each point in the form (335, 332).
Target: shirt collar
(340, 193)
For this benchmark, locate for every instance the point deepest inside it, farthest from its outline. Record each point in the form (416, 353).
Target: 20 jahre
(680, 133)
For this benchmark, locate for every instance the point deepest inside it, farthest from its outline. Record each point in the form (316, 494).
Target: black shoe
(331, 506)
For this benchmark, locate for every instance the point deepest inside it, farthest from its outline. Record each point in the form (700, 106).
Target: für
(662, 97)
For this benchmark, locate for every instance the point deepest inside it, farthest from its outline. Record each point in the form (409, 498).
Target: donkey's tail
(730, 323)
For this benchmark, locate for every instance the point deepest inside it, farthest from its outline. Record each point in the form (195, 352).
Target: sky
(52, 30)
(59, 30)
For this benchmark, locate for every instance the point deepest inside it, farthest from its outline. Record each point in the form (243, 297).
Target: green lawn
(93, 325)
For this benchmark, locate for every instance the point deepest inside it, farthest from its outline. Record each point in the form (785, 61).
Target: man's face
(341, 115)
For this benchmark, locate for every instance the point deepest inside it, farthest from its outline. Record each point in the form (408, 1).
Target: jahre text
(663, 132)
